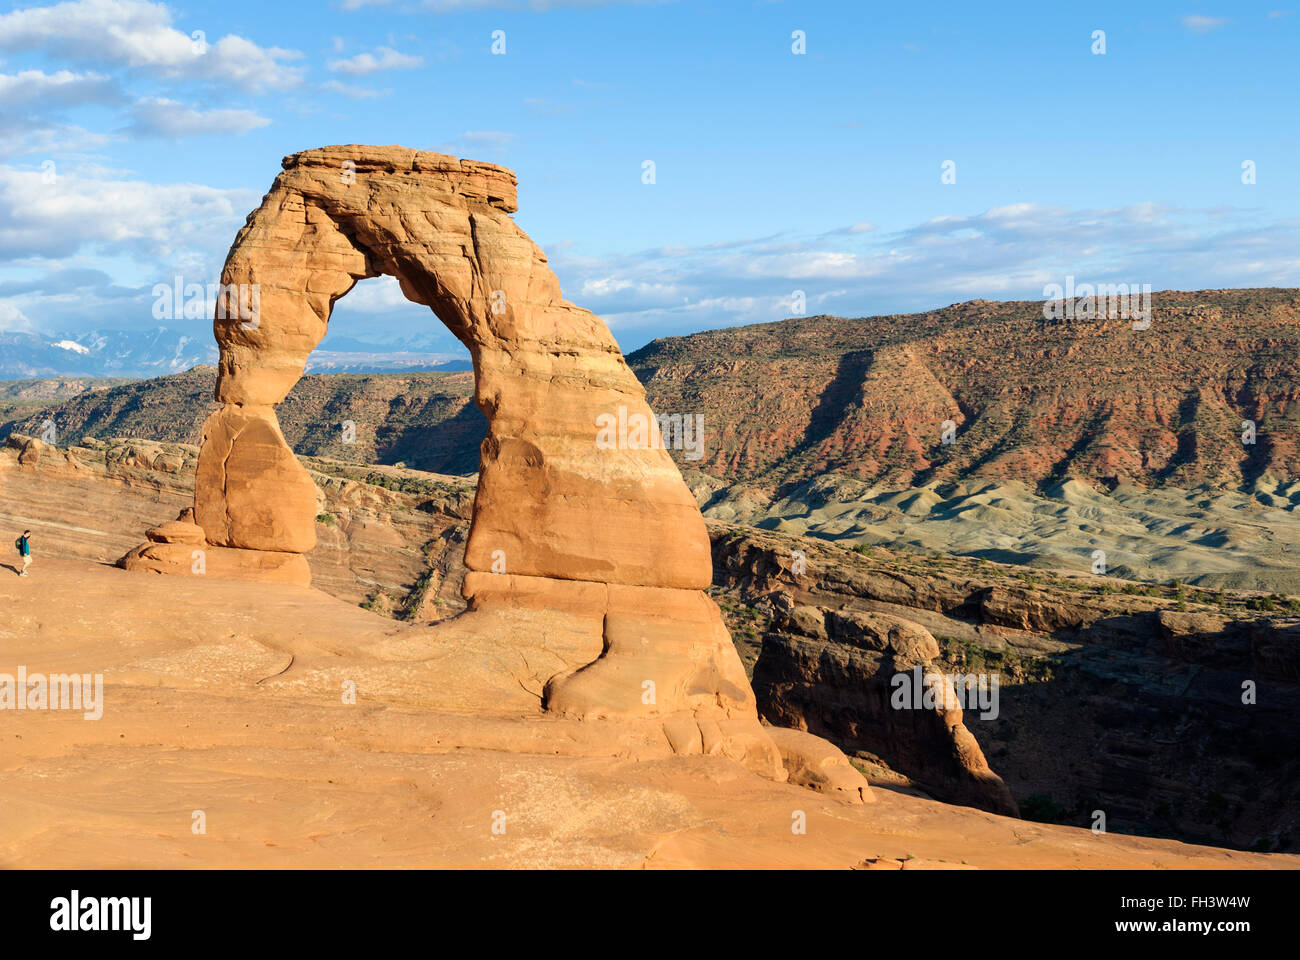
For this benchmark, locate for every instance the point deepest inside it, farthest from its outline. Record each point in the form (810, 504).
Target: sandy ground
(222, 706)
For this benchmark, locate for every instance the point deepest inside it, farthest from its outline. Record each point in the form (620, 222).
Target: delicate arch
(607, 534)
(548, 501)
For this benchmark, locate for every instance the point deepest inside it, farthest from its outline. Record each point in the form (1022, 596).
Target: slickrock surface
(385, 537)
(240, 715)
(1110, 696)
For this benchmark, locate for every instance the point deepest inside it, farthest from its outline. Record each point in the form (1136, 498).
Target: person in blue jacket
(24, 546)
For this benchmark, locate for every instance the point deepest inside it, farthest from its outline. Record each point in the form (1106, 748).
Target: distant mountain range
(111, 353)
(983, 429)
(161, 351)
(976, 391)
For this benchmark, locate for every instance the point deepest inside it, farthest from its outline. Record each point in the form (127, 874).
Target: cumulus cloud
(32, 103)
(43, 137)
(160, 117)
(384, 58)
(37, 90)
(377, 295)
(55, 217)
(139, 34)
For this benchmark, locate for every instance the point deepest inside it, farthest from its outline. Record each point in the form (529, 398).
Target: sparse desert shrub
(415, 599)
(1043, 808)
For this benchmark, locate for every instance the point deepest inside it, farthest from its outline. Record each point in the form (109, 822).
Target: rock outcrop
(833, 673)
(1169, 709)
(605, 533)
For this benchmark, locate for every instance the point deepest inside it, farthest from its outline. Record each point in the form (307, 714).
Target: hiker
(24, 546)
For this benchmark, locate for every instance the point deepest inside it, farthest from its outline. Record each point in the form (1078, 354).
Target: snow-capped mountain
(102, 353)
(159, 351)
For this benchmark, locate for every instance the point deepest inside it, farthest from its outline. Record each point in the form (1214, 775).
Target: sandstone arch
(611, 537)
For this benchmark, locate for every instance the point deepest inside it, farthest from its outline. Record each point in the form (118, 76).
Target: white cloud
(240, 62)
(35, 89)
(163, 117)
(1202, 24)
(1007, 252)
(139, 34)
(159, 117)
(350, 91)
(377, 295)
(31, 102)
(384, 58)
(598, 288)
(494, 142)
(13, 320)
(97, 211)
(49, 138)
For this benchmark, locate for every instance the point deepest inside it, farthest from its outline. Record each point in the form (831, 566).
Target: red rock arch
(612, 535)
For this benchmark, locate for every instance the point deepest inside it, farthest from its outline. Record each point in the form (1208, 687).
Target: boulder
(819, 765)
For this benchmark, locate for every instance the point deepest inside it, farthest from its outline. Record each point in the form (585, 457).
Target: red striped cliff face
(1020, 396)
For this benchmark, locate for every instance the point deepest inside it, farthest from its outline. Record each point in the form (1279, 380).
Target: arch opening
(387, 385)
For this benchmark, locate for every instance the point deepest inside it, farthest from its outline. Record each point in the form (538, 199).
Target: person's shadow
(11, 566)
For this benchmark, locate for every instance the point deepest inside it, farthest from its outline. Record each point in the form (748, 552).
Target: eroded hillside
(1029, 399)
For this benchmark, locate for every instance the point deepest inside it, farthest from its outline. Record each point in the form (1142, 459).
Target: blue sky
(774, 171)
